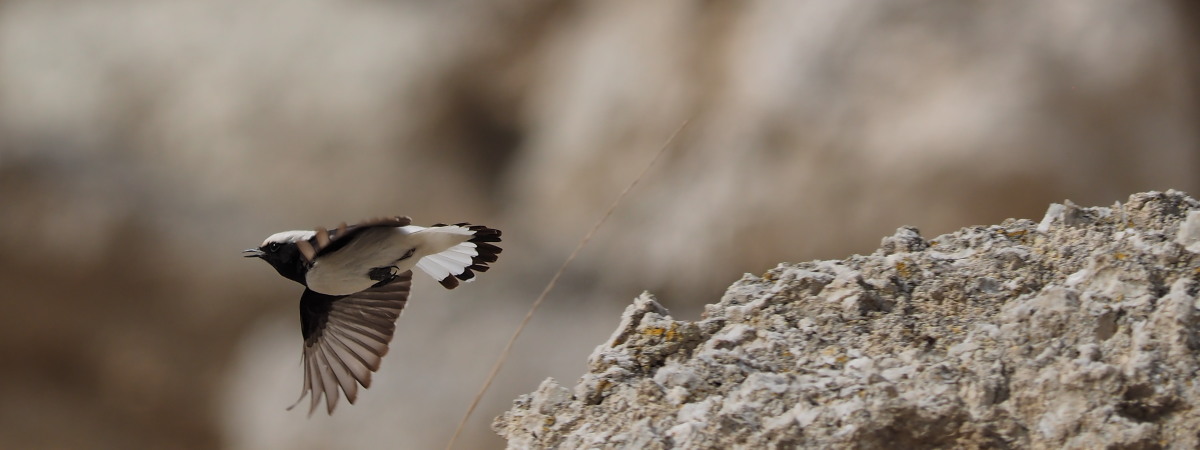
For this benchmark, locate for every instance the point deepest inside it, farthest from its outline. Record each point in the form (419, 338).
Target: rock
(1078, 332)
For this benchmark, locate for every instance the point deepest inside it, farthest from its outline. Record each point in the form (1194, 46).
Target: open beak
(252, 253)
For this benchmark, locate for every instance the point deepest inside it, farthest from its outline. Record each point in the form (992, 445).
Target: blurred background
(144, 143)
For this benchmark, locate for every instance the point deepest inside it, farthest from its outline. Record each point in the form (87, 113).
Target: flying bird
(357, 280)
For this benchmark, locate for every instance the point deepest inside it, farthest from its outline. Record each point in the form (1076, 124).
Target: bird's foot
(383, 274)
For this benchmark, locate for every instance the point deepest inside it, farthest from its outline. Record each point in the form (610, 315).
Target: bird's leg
(383, 274)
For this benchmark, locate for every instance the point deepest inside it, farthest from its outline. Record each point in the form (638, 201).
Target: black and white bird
(357, 279)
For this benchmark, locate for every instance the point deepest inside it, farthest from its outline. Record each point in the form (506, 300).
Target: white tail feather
(450, 262)
(453, 260)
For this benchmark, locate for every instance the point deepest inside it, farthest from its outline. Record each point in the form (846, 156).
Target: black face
(284, 257)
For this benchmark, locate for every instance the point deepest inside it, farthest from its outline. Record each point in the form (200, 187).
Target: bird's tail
(461, 261)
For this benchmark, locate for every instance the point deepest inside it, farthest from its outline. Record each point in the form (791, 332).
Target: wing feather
(346, 337)
(340, 368)
(354, 362)
(329, 382)
(325, 241)
(364, 351)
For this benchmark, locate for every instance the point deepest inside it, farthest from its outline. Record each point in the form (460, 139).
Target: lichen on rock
(1080, 331)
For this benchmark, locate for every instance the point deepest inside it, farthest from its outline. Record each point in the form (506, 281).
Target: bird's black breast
(314, 313)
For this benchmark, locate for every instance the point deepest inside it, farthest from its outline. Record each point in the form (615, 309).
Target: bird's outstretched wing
(326, 241)
(345, 338)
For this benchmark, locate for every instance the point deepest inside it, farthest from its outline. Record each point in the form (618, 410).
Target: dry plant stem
(550, 286)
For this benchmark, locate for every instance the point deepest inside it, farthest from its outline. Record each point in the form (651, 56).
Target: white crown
(287, 237)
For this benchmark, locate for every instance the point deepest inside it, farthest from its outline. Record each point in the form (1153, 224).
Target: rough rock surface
(1080, 331)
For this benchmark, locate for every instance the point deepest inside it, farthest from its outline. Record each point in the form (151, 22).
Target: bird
(357, 280)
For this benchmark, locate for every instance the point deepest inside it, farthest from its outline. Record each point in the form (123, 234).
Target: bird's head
(280, 251)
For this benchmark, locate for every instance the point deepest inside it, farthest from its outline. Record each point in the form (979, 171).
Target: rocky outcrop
(1080, 331)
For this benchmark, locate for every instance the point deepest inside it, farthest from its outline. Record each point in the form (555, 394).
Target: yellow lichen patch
(671, 333)
(903, 270)
(1015, 233)
(842, 359)
(768, 276)
(1120, 256)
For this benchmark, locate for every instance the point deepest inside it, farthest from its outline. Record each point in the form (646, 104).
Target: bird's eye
(272, 247)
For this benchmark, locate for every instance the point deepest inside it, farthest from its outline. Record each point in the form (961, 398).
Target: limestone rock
(1080, 331)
